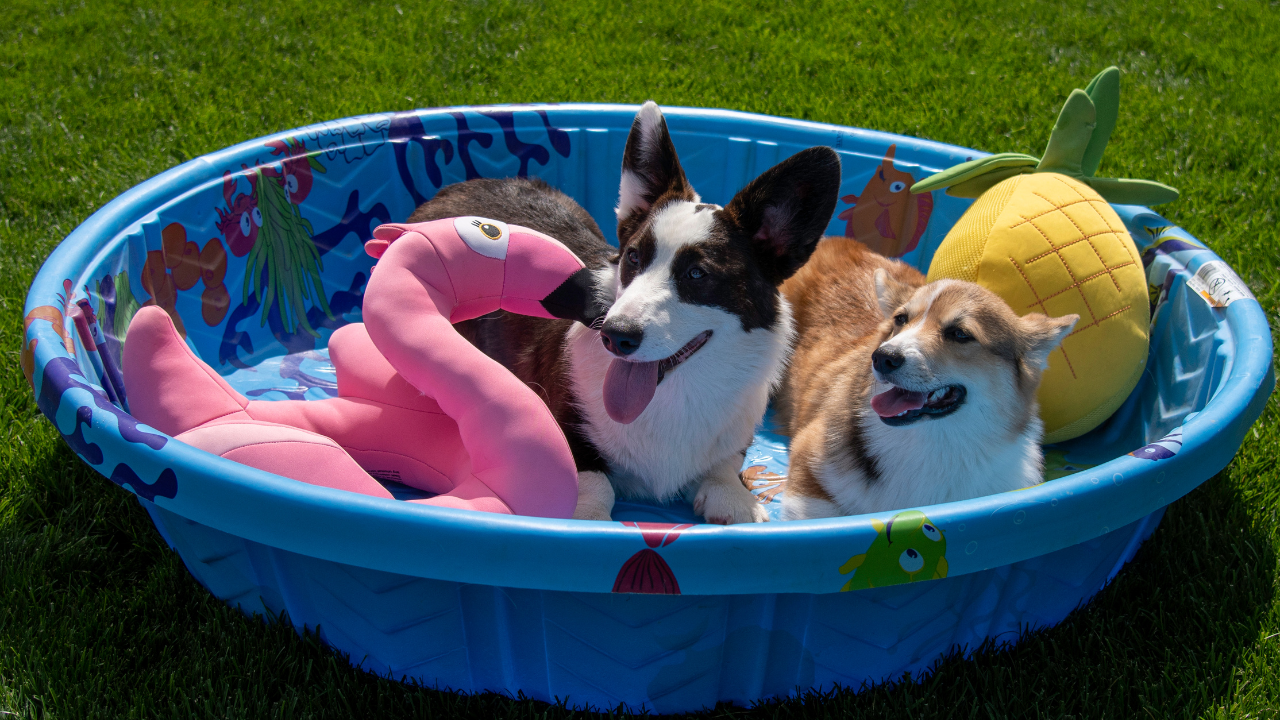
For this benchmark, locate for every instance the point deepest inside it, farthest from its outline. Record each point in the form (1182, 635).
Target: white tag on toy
(1218, 284)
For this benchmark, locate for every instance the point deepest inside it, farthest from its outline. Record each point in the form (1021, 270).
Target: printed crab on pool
(256, 252)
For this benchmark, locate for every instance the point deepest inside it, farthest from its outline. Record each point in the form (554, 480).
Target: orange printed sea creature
(27, 358)
(886, 217)
(772, 482)
(178, 265)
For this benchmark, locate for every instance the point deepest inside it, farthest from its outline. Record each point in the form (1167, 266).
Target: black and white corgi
(660, 396)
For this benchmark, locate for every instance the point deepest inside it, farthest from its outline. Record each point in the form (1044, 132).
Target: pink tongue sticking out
(896, 402)
(628, 388)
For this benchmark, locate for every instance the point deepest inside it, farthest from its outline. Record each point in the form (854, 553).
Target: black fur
(858, 450)
(766, 233)
(654, 162)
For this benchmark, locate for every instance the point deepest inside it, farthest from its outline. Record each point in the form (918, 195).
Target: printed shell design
(646, 572)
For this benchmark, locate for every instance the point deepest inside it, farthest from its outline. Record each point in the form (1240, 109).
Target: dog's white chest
(702, 414)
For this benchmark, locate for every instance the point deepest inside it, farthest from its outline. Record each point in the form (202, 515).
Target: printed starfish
(1075, 149)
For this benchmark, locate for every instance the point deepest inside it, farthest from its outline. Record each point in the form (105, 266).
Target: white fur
(703, 412)
(922, 464)
(631, 189)
(803, 507)
(630, 195)
(651, 301)
(595, 497)
(975, 451)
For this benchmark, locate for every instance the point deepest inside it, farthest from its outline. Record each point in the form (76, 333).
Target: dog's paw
(595, 497)
(728, 504)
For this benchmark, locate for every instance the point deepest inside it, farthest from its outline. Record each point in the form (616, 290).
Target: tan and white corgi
(902, 393)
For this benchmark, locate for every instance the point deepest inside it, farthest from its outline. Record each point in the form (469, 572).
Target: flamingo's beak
(577, 299)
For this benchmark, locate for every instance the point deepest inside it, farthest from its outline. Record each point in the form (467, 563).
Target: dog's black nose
(886, 361)
(621, 339)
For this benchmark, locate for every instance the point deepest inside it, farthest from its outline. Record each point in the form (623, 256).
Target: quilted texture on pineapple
(1047, 243)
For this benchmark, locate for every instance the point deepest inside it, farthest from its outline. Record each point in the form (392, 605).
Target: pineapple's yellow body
(1048, 243)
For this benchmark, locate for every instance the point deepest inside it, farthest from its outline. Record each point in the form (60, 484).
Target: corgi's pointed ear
(785, 211)
(650, 170)
(891, 293)
(1042, 334)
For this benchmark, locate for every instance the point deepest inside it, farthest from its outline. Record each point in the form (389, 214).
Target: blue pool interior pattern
(551, 608)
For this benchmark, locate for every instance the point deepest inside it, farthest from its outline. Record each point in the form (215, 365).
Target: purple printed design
(62, 374)
(529, 151)
(166, 485)
(1162, 449)
(466, 136)
(407, 128)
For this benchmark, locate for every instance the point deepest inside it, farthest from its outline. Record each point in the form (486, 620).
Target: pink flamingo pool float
(416, 402)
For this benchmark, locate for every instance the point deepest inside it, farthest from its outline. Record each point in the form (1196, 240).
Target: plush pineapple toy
(1042, 236)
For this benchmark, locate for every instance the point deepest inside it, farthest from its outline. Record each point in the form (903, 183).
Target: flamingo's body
(416, 402)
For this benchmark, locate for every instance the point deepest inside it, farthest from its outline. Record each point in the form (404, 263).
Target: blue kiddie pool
(652, 610)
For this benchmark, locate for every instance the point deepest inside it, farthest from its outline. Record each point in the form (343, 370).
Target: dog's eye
(900, 319)
(910, 561)
(633, 257)
(696, 273)
(957, 334)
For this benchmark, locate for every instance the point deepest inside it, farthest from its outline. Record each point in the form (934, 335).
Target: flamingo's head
(541, 277)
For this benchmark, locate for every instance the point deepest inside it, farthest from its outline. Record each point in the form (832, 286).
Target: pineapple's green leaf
(975, 186)
(1104, 91)
(973, 168)
(1070, 136)
(314, 162)
(1124, 191)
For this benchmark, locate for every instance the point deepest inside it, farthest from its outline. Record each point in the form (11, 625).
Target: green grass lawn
(99, 619)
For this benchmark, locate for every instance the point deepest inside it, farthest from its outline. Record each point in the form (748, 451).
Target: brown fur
(839, 324)
(531, 348)
(843, 315)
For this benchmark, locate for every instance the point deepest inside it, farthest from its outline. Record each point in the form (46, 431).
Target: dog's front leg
(595, 497)
(723, 499)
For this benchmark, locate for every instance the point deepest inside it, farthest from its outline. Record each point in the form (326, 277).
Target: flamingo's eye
(485, 236)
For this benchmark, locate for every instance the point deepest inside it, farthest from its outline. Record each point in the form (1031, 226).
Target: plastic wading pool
(652, 610)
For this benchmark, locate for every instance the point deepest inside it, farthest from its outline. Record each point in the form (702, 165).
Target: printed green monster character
(908, 548)
(1056, 465)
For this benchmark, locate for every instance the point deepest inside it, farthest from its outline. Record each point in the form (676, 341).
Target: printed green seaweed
(286, 254)
(126, 306)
